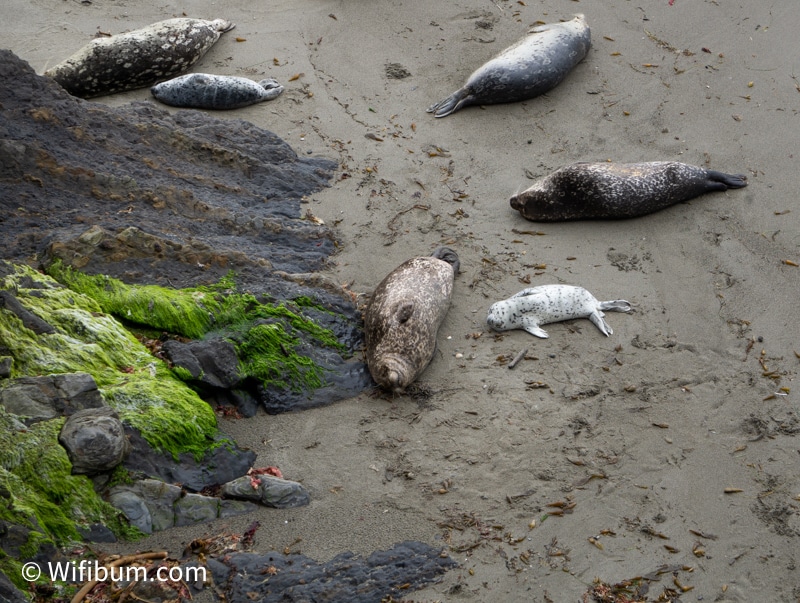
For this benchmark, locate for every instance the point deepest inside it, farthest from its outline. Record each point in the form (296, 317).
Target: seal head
(403, 317)
(584, 191)
(532, 66)
(207, 91)
(536, 306)
(138, 58)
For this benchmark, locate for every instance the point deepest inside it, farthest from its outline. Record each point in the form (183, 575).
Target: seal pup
(551, 303)
(403, 317)
(207, 91)
(138, 58)
(532, 66)
(585, 191)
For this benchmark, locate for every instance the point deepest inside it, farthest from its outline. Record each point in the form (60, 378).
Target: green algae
(145, 392)
(269, 355)
(44, 495)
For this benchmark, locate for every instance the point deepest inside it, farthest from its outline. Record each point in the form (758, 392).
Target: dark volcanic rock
(274, 577)
(177, 200)
(201, 195)
(51, 395)
(221, 464)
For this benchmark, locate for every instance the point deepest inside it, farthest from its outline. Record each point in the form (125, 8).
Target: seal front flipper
(451, 104)
(530, 324)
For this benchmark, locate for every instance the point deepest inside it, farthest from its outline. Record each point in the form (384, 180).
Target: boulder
(95, 440)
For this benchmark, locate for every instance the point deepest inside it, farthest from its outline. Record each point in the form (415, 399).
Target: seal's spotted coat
(551, 303)
(137, 58)
(404, 315)
(582, 191)
(208, 91)
(532, 66)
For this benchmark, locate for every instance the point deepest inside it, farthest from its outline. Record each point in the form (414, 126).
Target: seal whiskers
(536, 306)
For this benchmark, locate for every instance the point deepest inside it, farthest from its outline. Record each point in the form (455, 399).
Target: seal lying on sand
(584, 191)
(551, 303)
(207, 91)
(138, 58)
(532, 66)
(403, 316)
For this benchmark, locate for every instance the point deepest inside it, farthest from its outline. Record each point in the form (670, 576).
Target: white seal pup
(532, 66)
(138, 58)
(551, 303)
(585, 191)
(404, 315)
(207, 91)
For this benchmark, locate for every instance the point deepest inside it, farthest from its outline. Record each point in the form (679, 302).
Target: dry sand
(643, 431)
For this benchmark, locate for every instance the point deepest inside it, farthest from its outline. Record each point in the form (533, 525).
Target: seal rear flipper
(719, 181)
(601, 324)
(451, 104)
(448, 255)
(617, 305)
(532, 327)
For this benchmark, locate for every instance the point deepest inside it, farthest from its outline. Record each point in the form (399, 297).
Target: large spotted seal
(583, 191)
(541, 305)
(137, 58)
(532, 66)
(403, 317)
(207, 91)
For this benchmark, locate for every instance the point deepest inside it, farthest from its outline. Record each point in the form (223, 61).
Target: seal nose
(396, 381)
(515, 202)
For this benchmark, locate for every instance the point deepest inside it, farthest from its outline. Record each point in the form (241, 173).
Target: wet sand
(674, 441)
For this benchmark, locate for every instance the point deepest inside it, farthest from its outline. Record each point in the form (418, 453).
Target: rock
(346, 577)
(50, 396)
(270, 491)
(5, 367)
(153, 506)
(95, 440)
(194, 508)
(211, 362)
(220, 464)
(133, 507)
(10, 593)
(28, 318)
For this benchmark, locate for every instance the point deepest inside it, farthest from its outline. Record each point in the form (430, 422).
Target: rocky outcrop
(37, 398)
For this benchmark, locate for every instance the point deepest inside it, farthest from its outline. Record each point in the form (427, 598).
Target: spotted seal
(584, 191)
(138, 58)
(207, 91)
(532, 66)
(551, 303)
(403, 317)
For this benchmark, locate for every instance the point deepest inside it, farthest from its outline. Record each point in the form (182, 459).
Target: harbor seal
(585, 191)
(207, 91)
(403, 317)
(551, 303)
(138, 58)
(532, 66)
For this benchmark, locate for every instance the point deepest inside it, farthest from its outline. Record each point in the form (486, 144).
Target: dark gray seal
(532, 66)
(138, 58)
(403, 317)
(207, 91)
(586, 191)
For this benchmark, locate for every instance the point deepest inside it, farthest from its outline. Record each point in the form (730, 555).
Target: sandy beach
(673, 442)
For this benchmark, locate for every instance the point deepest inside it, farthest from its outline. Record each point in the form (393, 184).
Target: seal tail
(451, 104)
(719, 181)
(448, 255)
(617, 305)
